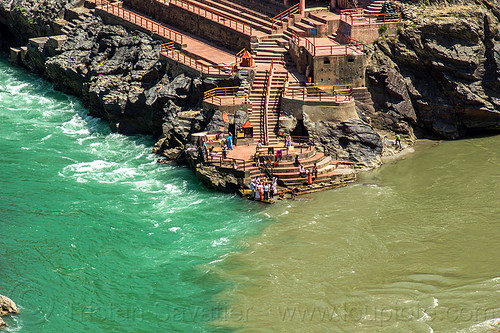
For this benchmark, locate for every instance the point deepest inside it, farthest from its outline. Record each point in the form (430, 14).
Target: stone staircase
(288, 175)
(257, 103)
(268, 52)
(73, 18)
(267, 7)
(259, 108)
(183, 122)
(274, 103)
(374, 6)
(362, 95)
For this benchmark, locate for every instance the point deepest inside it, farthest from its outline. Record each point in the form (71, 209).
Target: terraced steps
(258, 26)
(259, 20)
(268, 7)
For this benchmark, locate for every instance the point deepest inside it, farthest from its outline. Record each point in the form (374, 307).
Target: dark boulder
(352, 140)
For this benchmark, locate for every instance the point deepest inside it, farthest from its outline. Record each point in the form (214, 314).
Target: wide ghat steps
(268, 7)
(374, 7)
(259, 21)
(288, 175)
(259, 26)
(69, 23)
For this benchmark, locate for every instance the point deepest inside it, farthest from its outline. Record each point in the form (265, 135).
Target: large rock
(216, 180)
(441, 73)
(352, 140)
(240, 118)
(7, 306)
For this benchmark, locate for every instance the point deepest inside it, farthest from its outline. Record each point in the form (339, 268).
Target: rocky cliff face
(441, 73)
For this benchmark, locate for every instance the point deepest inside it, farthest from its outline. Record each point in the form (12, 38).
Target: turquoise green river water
(95, 236)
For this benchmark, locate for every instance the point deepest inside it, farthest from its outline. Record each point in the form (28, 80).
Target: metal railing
(225, 96)
(351, 11)
(284, 15)
(239, 56)
(336, 93)
(266, 102)
(327, 50)
(358, 16)
(227, 162)
(140, 21)
(213, 15)
(168, 50)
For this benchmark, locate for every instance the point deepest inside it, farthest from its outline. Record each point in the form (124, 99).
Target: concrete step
(303, 181)
(303, 26)
(290, 171)
(271, 8)
(317, 17)
(315, 23)
(297, 31)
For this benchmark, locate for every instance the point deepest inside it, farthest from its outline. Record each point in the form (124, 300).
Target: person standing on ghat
(229, 141)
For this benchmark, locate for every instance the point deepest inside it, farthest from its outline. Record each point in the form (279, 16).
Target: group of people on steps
(262, 190)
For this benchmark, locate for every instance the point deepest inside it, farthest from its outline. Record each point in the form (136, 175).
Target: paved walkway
(205, 50)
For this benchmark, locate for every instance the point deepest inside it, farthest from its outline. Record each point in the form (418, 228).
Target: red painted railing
(264, 123)
(140, 21)
(336, 93)
(230, 162)
(225, 96)
(239, 56)
(284, 15)
(358, 16)
(213, 15)
(169, 51)
(352, 11)
(327, 50)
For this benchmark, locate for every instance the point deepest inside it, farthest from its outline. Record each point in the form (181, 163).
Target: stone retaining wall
(319, 111)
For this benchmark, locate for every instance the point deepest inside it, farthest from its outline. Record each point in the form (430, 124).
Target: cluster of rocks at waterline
(7, 307)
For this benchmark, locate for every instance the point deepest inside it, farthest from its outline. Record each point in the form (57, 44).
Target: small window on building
(350, 60)
(326, 61)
